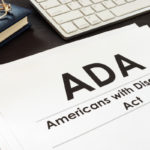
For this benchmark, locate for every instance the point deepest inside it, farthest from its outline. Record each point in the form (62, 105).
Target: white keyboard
(74, 17)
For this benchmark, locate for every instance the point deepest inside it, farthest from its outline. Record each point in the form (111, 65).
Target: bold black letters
(123, 69)
(68, 78)
(70, 90)
(50, 124)
(95, 78)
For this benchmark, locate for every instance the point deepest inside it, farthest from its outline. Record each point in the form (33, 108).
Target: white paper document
(91, 94)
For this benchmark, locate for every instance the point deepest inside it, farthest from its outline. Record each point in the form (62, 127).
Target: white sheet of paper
(33, 93)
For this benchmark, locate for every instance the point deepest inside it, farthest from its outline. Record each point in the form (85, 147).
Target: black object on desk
(18, 18)
(42, 37)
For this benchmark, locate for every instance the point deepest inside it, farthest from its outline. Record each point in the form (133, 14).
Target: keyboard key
(65, 1)
(69, 27)
(131, 7)
(97, 1)
(105, 15)
(68, 16)
(58, 10)
(74, 5)
(119, 2)
(130, 0)
(87, 11)
(98, 7)
(85, 2)
(49, 4)
(81, 23)
(93, 19)
(39, 1)
(109, 4)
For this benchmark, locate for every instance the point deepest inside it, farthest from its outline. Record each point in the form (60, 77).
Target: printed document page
(90, 94)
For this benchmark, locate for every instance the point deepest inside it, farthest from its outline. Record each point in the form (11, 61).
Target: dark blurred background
(41, 36)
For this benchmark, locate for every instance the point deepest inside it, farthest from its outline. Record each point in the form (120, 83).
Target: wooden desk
(42, 37)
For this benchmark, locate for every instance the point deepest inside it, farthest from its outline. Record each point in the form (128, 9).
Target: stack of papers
(90, 94)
